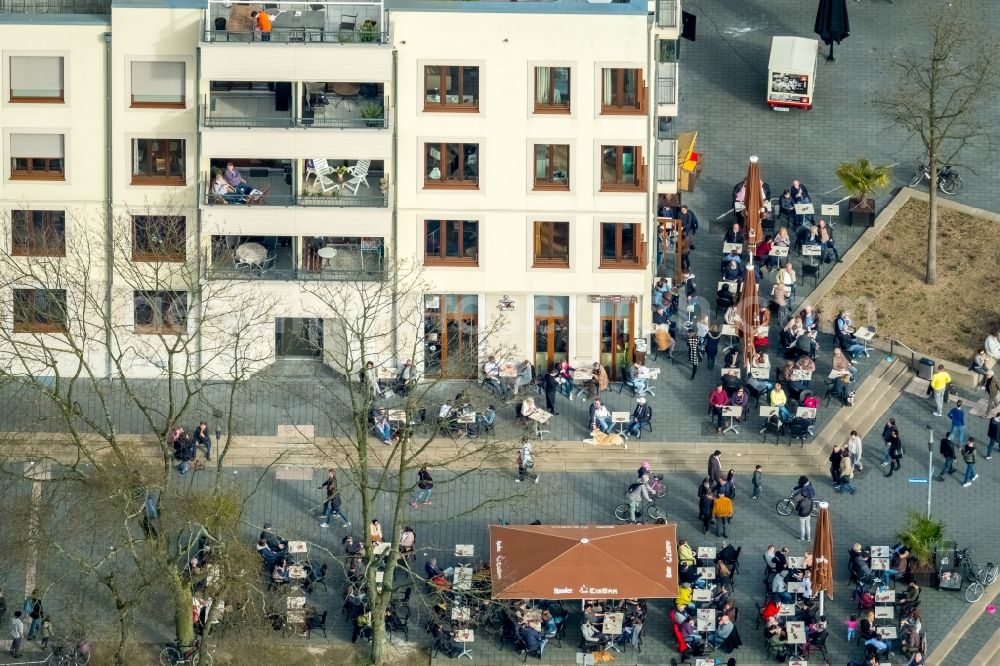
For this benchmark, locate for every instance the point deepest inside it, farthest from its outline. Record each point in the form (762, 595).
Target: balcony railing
(380, 200)
(296, 274)
(666, 90)
(666, 168)
(666, 13)
(214, 120)
(323, 22)
(298, 36)
(55, 6)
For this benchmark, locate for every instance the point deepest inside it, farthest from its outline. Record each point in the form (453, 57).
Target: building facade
(513, 151)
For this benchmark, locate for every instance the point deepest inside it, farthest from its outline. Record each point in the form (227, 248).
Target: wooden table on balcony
(345, 92)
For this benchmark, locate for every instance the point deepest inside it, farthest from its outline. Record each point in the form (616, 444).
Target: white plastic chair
(319, 171)
(360, 176)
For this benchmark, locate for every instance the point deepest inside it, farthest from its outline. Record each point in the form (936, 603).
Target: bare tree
(169, 337)
(942, 89)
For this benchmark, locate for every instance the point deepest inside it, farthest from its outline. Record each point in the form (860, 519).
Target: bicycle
(656, 486)
(786, 506)
(174, 655)
(61, 654)
(971, 571)
(949, 182)
(652, 511)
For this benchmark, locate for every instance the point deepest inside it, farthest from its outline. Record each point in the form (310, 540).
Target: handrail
(892, 350)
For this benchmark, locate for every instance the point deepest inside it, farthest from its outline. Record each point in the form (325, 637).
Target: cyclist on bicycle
(643, 471)
(655, 483)
(636, 493)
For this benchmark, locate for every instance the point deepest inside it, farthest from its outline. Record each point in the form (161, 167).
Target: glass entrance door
(296, 337)
(616, 336)
(551, 331)
(451, 338)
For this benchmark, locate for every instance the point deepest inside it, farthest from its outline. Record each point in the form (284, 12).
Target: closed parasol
(822, 573)
(832, 24)
(754, 207)
(749, 312)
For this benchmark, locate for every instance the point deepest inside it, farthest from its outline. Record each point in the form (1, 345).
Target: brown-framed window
(622, 168)
(551, 167)
(157, 85)
(36, 80)
(451, 88)
(451, 165)
(160, 312)
(622, 245)
(158, 162)
(451, 242)
(39, 310)
(37, 157)
(159, 238)
(551, 245)
(552, 89)
(622, 91)
(38, 233)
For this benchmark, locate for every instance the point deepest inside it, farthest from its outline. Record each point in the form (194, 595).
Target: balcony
(321, 182)
(317, 22)
(666, 89)
(668, 13)
(666, 166)
(284, 258)
(98, 7)
(334, 105)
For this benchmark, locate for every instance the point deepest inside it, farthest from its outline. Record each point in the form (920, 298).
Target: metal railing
(55, 6)
(666, 168)
(296, 274)
(298, 36)
(666, 13)
(666, 90)
(323, 201)
(215, 120)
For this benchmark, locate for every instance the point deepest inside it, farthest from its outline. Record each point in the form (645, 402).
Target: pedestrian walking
(715, 469)
(694, 350)
(887, 430)
(331, 506)
(550, 386)
(969, 458)
(706, 501)
(45, 633)
(757, 480)
(722, 511)
(957, 416)
(993, 435)
(947, 450)
(425, 485)
(16, 635)
(33, 609)
(525, 462)
(895, 452)
(845, 476)
(939, 388)
(728, 487)
(803, 509)
(855, 450)
(835, 457)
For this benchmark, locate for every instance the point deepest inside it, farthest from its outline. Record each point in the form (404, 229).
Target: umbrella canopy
(832, 24)
(749, 311)
(583, 562)
(822, 574)
(754, 206)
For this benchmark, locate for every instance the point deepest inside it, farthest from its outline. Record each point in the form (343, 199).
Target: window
(38, 233)
(36, 157)
(551, 167)
(39, 310)
(621, 168)
(668, 50)
(158, 162)
(451, 88)
(622, 91)
(160, 312)
(451, 165)
(158, 238)
(36, 79)
(621, 245)
(157, 85)
(552, 244)
(451, 335)
(451, 242)
(552, 90)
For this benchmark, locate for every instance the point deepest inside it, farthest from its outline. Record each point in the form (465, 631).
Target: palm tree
(862, 179)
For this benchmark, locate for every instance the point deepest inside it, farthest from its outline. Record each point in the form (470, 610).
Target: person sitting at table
(566, 375)
(592, 635)
(406, 540)
(779, 301)
(740, 399)
(724, 298)
(690, 632)
(868, 632)
(762, 254)
(274, 542)
(685, 597)
(549, 625)
(631, 376)
(235, 180)
(731, 358)
(532, 639)
(433, 571)
(786, 206)
(781, 238)
(268, 556)
(786, 276)
(806, 235)
(721, 633)
(600, 417)
(491, 374)
(660, 290)
(776, 641)
(777, 398)
(732, 272)
(731, 382)
(720, 598)
(779, 587)
(525, 375)
(382, 427)
(223, 190)
(279, 574)
(805, 364)
(809, 320)
(641, 415)
(734, 235)
(826, 243)
(685, 554)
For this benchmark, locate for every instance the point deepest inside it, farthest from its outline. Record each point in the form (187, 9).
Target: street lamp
(930, 466)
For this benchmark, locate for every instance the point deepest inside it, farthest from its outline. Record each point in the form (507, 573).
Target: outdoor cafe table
(463, 578)
(706, 552)
(708, 573)
(885, 596)
(705, 619)
(796, 562)
(298, 547)
(701, 594)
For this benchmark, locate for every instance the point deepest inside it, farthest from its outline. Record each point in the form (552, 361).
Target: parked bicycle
(652, 511)
(72, 653)
(949, 182)
(975, 574)
(175, 655)
(786, 506)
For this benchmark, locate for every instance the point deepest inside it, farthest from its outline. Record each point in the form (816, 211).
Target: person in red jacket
(717, 399)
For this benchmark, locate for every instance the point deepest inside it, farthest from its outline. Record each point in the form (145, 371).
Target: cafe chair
(773, 427)
(758, 618)
(399, 623)
(318, 623)
(798, 431)
(348, 21)
(809, 270)
(817, 643)
(636, 641)
(316, 578)
(589, 646)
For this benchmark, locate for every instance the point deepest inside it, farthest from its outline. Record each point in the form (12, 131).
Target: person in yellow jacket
(685, 553)
(685, 596)
(722, 511)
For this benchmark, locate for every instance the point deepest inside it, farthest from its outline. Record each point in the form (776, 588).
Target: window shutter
(36, 76)
(36, 145)
(154, 82)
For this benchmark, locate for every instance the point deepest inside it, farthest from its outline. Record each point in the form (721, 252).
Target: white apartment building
(513, 149)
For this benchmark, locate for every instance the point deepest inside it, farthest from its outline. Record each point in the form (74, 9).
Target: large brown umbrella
(822, 573)
(583, 562)
(754, 203)
(749, 311)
